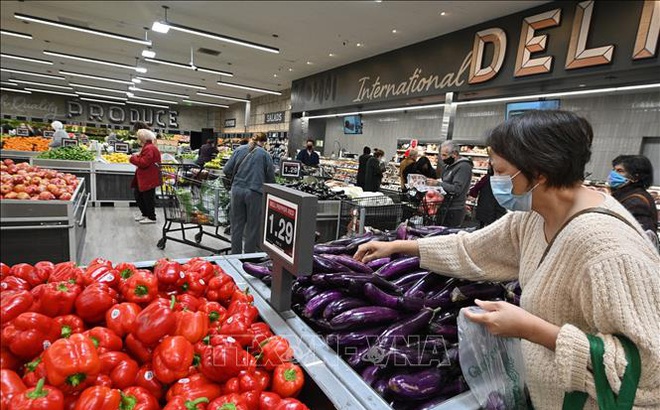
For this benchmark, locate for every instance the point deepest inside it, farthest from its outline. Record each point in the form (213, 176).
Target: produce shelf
(18, 156)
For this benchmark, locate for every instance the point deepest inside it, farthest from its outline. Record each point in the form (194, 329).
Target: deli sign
(553, 41)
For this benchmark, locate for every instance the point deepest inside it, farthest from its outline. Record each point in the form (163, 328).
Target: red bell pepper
(291, 404)
(146, 379)
(168, 273)
(221, 288)
(251, 399)
(67, 272)
(221, 363)
(121, 369)
(232, 385)
(29, 274)
(192, 282)
(244, 296)
(244, 308)
(140, 287)
(4, 270)
(261, 332)
(72, 364)
(172, 358)
(70, 401)
(40, 397)
(288, 380)
(100, 261)
(228, 402)
(269, 400)
(99, 398)
(139, 350)
(103, 380)
(34, 371)
(121, 318)
(29, 334)
(70, 324)
(13, 283)
(186, 301)
(275, 351)
(191, 325)
(205, 268)
(215, 313)
(126, 270)
(138, 398)
(194, 387)
(10, 385)
(45, 269)
(55, 299)
(238, 327)
(101, 274)
(180, 403)
(258, 380)
(104, 339)
(13, 304)
(155, 321)
(8, 360)
(94, 301)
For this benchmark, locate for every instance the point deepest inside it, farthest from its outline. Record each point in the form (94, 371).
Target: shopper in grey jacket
(456, 178)
(251, 167)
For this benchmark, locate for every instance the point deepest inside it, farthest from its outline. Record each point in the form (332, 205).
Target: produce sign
(22, 132)
(280, 226)
(22, 181)
(75, 153)
(290, 169)
(25, 143)
(393, 322)
(69, 142)
(116, 337)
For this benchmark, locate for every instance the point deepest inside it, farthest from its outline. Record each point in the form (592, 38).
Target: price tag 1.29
(280, 226)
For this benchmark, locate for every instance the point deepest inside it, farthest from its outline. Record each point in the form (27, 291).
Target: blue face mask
(502, 187)
(616, 180)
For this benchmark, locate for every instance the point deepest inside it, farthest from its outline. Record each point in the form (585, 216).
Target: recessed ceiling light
(93, 87)
(38, 90)
(394, 31)
(223, 97)
(310, 63)
(94, 61)
(111, 97)
(275, 75)
(249, 88)
(14, 90)
(582, 85)
(358, 45)
(16, 34)
(144, 90)
(95, 77)
(28, 59)
(442, 13)
(61, 87)
(169, 82)
(205, 103)
(148, 53)
(331, 55)
(103, 101)
(53, 77)
(137, 97)
(290, 69)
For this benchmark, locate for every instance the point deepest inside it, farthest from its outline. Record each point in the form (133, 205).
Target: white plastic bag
(492, 366)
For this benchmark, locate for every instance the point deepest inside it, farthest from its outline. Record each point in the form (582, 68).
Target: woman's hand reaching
(375, 250)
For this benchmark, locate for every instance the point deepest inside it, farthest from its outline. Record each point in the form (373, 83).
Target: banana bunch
(214, 163)
(116, 158)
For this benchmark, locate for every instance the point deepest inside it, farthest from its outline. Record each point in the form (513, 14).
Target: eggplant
(339, 306)
(329, 249)
(364, 316)
(419, 385)
(315, 305)
(381, 386)
(402, 231)
(425, 283)
(411, 356)
(321, 324)
(324, 265)
(446, 318)
(484, 290)
(449, 390)
(371, 374)
(378, 263)
(381, 298)
(267, 280)
(398, 267)
(352, 248)
(449, 332)
(404, 328)
(352, 282)
(310, 292)
(352, 264)
(355, 359)
(409, 279)
(354, 338)
(495, 401)
(258, 271)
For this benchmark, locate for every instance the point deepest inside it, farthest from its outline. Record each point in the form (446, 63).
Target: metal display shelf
(327, 219)
(18, 156)
(112, 183)
(345, 387)
(32, 231)
(81, 169)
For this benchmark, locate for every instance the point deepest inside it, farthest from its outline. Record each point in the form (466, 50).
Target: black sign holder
(290, 168)
(121, 147)
(287, 238)
(69, 142)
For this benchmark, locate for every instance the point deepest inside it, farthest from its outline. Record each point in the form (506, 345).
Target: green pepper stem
(192, 405)
(62, 287)
(32, 366)
(66, 331)
(290, 375)
(172, 302)
(75, 379)
(214, 316)
(126, 273)
(38, 391)
(141, 290)
(128, 402)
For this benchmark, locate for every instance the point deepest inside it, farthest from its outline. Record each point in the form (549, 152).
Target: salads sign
(555, 41)
(118, 115)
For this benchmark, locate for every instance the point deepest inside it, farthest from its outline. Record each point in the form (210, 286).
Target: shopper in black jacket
(631, 175)
(374, 172)
(206, 152)
(362, 167)
(488, 209)
(456, 178)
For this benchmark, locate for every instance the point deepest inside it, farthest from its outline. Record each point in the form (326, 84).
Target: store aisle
(113, 234)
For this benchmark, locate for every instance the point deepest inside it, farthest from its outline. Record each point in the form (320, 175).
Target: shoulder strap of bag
(597, 210)
(237, 166)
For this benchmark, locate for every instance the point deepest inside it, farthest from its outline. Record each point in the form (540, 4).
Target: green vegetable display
(68, 153)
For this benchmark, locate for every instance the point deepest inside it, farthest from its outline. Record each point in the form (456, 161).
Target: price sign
(290, 169)
(69, 142)
(280, 226)
(121, 147)
(48, 134)
(22, 132)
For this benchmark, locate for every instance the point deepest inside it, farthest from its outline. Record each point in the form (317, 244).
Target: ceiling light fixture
(165, 26)
(136, 80)
(38, 90)
(137, 97)
(93, 87)
(310, 63)
(11, 70)
(189, 67)
(60, 87)
(246, 87)
(144, 90)
(67, 26)
(111, 97)
(146, 105)
(16, 34)
(103, 101)
(394, 31)
(148, 53)
(223, 97)
(169, 82)
(331, 55)
(358, 45)
(28, 59)
(9, 83)
(205, 103)
(94, 61)
(443, 13)
(15, 90)
(95, 77)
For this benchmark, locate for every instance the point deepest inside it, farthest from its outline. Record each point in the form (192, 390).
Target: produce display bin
(81, 169)
(18, 156)
(32, 231)
(112, 183)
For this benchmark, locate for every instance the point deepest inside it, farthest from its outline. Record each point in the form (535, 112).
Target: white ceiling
(307, 31)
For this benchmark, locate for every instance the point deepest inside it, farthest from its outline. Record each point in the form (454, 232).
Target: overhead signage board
(277, 117)
(230, 123)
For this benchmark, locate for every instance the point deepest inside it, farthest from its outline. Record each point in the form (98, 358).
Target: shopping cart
(192, 198)
(428, 210)
(383, 211)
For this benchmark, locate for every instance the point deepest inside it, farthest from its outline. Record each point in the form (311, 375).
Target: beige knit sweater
(601, 277)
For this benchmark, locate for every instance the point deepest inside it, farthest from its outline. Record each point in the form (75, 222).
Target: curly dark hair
(638, 167)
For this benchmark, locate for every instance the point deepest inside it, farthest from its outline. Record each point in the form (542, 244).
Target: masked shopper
(456, 178)
(587, 271)
(629, 180)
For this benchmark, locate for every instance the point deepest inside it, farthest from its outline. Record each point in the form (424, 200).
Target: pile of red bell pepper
(114, 337)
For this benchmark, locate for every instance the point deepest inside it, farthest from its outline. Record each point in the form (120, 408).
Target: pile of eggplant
(319, 189)
(393, 322)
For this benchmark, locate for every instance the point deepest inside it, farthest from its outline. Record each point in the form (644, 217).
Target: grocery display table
(18, 156)
(81, 169)
(32, 231)
(112, 183)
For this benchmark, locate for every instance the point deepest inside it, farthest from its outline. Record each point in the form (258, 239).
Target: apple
(50, 174)
(11, 195)
(19, 188)
(18, 179)
(23, 195)
(52, 188)
(31, 190)
(46, 196)
(5, 189)
(8, 161)
(65, 197)
(35, 180)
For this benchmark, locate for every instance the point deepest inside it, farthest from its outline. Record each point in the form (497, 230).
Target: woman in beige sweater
(600, 275)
